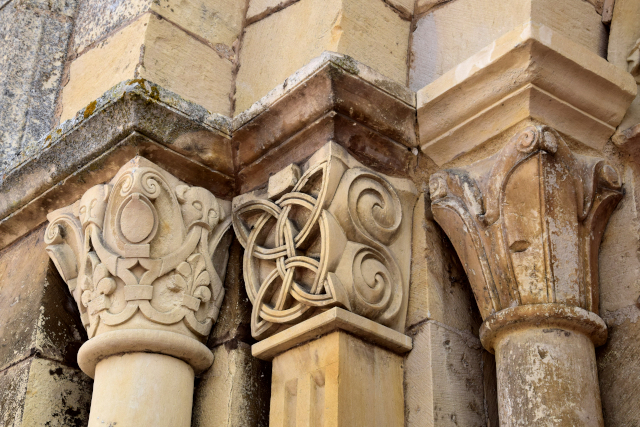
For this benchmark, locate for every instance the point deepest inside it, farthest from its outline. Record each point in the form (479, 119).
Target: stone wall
(228, 64)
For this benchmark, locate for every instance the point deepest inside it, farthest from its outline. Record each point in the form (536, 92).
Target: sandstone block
(40, 392)
(444, 379)
(619, 260)
(157, 50)
(36, 311)
(439, 287)
(234, 392)
(216, 22)
(33, 50)
(619, 373)
(275, 47)
(458, 29)
(184, 65)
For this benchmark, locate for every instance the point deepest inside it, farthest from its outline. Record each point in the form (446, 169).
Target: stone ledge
(529, 72)
(330, 321)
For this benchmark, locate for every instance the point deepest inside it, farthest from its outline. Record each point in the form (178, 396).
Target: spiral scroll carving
(327, 242)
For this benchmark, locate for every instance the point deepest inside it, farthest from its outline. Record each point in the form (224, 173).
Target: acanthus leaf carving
(332, 240)
(143, 250)
(528, 229)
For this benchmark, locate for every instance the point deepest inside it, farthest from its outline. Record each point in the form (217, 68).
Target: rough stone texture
(56, 396)
(619, 373)
(41, 392)
(233, 324)
(13, 389)
(625, 34)
(455, 31)
(216, 22)
(180, 63)
(181, 137)
(33, 44)
(36, 311)
(369, 31)
(619, 257)
(234, 392)
(112, 61)
(444, 383)
(155, 49)
(439, 287)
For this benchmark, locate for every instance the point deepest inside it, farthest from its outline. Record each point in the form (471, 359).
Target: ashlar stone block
(444, 378)
(41, 392)
(453, 32)
(275, 47)
(33, 47)
(234, 392)
(191, 57)
(36, 312)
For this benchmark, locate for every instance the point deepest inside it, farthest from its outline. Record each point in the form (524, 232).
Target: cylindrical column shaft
(142, 390)
(547, 377)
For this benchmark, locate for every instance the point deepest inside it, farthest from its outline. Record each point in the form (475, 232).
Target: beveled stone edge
(514, 49)
(346, 63)
(99, 161)
(332, 320)
(538, 315)
(182, 347)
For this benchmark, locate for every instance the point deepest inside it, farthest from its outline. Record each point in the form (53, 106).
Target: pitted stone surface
(33, 47)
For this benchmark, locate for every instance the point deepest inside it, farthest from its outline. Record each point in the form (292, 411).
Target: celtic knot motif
(322, 244)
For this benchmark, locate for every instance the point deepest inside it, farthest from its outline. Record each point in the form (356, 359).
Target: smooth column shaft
(142, 390)
(547, 377)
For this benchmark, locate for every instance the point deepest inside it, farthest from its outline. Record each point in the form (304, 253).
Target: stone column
(527, 226)
(144, 257)
(326, 266)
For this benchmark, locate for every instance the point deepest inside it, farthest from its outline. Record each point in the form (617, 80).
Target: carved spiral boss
(143, 252)
(327, 242)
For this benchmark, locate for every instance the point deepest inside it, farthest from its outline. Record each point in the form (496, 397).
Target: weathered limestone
(134, 118)
(527, 225)
(34, 37)
(532, 72)
(444, 378)
(369, 31)
(624, 51)
(450, 34)
(40, 334)
(187, 47)
(329, 233)
(144, 258)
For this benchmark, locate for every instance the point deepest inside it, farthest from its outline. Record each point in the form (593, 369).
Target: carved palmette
(332, 239)
(144, 251)
(528, 230)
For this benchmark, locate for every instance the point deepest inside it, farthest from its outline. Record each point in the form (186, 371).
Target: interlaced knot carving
(324, 243)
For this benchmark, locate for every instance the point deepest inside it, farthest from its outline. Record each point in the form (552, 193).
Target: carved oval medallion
(137, 219)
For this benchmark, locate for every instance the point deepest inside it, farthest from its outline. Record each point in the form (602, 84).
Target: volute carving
(528, 229)
(144, 251)
(331, 233)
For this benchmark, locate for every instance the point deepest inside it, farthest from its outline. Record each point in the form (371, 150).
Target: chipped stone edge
(140, 87)
(344, 62)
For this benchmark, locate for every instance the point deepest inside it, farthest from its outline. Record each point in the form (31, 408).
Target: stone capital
(527, 223)
(144, 256)
(328, 233)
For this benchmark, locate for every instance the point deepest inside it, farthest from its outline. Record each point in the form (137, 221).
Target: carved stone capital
(144, 257)
(528, 227)
(330, 233)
